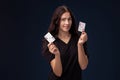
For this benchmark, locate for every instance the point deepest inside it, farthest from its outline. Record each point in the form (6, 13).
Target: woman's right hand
(53, 49)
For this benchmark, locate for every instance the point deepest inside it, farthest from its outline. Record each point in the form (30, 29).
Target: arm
(82, 57)
(56, 62)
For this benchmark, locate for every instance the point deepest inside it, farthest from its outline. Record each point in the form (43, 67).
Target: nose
(66, 21)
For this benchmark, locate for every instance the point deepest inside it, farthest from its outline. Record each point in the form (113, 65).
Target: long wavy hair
(55, 22)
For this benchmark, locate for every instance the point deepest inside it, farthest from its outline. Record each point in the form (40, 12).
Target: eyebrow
(66, 18)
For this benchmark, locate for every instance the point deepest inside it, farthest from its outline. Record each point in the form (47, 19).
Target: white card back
(49, 37)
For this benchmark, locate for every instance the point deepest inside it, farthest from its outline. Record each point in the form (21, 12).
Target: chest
(69, 50)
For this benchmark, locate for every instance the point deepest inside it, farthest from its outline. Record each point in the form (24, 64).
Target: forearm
(82, 58)
(57, 65)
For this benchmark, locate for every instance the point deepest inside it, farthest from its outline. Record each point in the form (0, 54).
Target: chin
(66, 30)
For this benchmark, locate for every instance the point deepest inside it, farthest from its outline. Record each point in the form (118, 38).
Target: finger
(53, 50)
(49, 44)
(83, 32)
(86, 36)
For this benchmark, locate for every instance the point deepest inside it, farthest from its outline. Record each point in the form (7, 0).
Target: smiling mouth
(66, 26)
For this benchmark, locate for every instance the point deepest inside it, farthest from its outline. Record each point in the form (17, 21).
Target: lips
(66, 26)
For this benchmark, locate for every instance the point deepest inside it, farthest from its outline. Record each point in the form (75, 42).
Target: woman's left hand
(83, 38)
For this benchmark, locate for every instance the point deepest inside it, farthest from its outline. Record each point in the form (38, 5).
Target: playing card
(81, 27)
(49, 37)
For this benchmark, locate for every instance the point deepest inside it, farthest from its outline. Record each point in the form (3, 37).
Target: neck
(64, 34)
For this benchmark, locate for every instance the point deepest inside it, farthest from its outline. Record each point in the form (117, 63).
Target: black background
(23, 24)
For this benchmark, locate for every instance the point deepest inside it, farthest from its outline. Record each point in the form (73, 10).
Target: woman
(67, 55)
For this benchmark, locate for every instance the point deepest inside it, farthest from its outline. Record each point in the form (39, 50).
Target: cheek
(61, 25)
(70, 23)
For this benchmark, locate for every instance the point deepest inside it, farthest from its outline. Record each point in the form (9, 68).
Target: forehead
(66, 15)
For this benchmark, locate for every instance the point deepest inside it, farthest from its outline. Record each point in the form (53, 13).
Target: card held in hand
(49, 37)
(81, 26)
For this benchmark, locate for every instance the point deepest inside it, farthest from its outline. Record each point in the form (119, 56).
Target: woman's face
(65, 22)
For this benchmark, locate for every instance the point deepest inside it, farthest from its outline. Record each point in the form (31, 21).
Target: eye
(63, 19)
(69, 19)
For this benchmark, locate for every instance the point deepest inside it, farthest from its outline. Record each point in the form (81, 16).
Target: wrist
(57, 54)
(80, 44)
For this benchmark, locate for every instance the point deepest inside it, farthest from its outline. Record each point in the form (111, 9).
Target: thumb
(49, 44)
